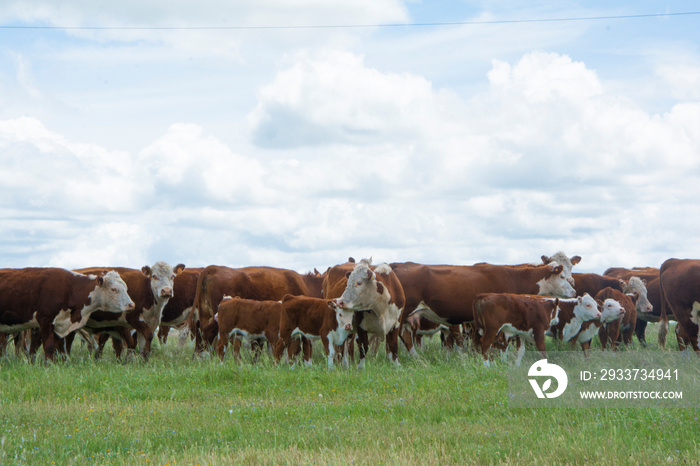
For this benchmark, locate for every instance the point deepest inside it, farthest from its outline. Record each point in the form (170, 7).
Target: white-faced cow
(618, 316)
(57, 301)
(150, 288)
(315, 319)
(179, 307)
(446, 293)
(376, 296)
(649, 308)
(579, 321)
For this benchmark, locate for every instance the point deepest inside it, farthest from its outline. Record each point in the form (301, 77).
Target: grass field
(445, 408)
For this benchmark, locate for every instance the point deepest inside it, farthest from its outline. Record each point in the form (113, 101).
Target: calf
(649, 307)
(57, 301)
(313, 318)
(579, 320)
(252, 320)
(618, 317)
(513, 317)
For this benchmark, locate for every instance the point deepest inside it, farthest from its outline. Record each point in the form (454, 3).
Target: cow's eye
(155, 277)
(358, 283)
(115, 290)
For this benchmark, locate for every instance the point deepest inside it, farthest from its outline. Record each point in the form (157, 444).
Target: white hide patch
(33, 323)
(180, 319)
(588, 334)
(695, 313)
(509, 331)
(381, 325)
(383, 269)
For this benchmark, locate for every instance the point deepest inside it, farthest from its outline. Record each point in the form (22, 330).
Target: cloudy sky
(297, 133)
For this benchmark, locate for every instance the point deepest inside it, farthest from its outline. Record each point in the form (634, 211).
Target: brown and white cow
(513, 316)
(237, 318)
(649, 307)
(565, 261)
(680, 297)
(446, 293)
(258, 283)
(579, 321)
(150, 288)
(314, 319)
(177, 311)
(376, 296)
(57, 301)
(618, 317)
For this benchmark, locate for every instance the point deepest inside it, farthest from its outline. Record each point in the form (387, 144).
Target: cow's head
(362, 290)
(565, 261)
(586, 308)
(110, 294)
(342, 316)
(637, 288)
(612, 310)
(556, 284)
(162, 277)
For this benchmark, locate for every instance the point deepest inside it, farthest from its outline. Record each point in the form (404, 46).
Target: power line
(352, 26)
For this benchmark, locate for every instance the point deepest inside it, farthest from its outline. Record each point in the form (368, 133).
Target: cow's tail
(478, 324)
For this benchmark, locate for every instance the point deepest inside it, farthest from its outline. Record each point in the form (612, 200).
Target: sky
(298, 133)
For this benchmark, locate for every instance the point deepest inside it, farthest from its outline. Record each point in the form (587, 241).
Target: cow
(618, 317)
(313, 318)
(445, 293)
(177, 311)
(150, 288)
(565, 261)
(680, 296)
(259, 283)
(376, 296)
(57, 301)
(513, 316)
(592, 283)
(579, 320)
(253, 320)
(649, 307)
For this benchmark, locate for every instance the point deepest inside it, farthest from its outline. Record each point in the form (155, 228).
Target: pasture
(446, 408)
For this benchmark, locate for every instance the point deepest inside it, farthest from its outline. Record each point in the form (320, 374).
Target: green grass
(442, 409)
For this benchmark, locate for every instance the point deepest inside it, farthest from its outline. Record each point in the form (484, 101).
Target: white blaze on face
(162, 278)
(342, 317)
(111, 294)
(361, 291)
(586, 308)
(556, 284)
(566, 262)
(636, 286)
(611, 311)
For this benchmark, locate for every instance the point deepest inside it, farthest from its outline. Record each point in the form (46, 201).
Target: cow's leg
(221, 346)
(163, 331)
(639, 330)
(363, 345)
(256, 346)
(48, 339)
(628, 332)
(520, 345)
(329, 349)
(485, 342)
(539, 344)
(236, 343)
(603, 335)
(282, 343)
(409, 339)
(35, 340)
(392, 345)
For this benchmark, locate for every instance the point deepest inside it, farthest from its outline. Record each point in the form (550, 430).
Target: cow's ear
(347, 275)
(557, 270)
(575, 260)
(146, 270)
(370, 275)
(351, 260)
(546, 260)
(331, 304)
(622, 283)
(644, 280)
(179, 268)
(380, 287)
(101, 280)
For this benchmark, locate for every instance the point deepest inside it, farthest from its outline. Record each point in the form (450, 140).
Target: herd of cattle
(493, 305)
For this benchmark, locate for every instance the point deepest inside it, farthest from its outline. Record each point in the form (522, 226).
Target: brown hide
(610, 332)
(680, 289)
(251, 316)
